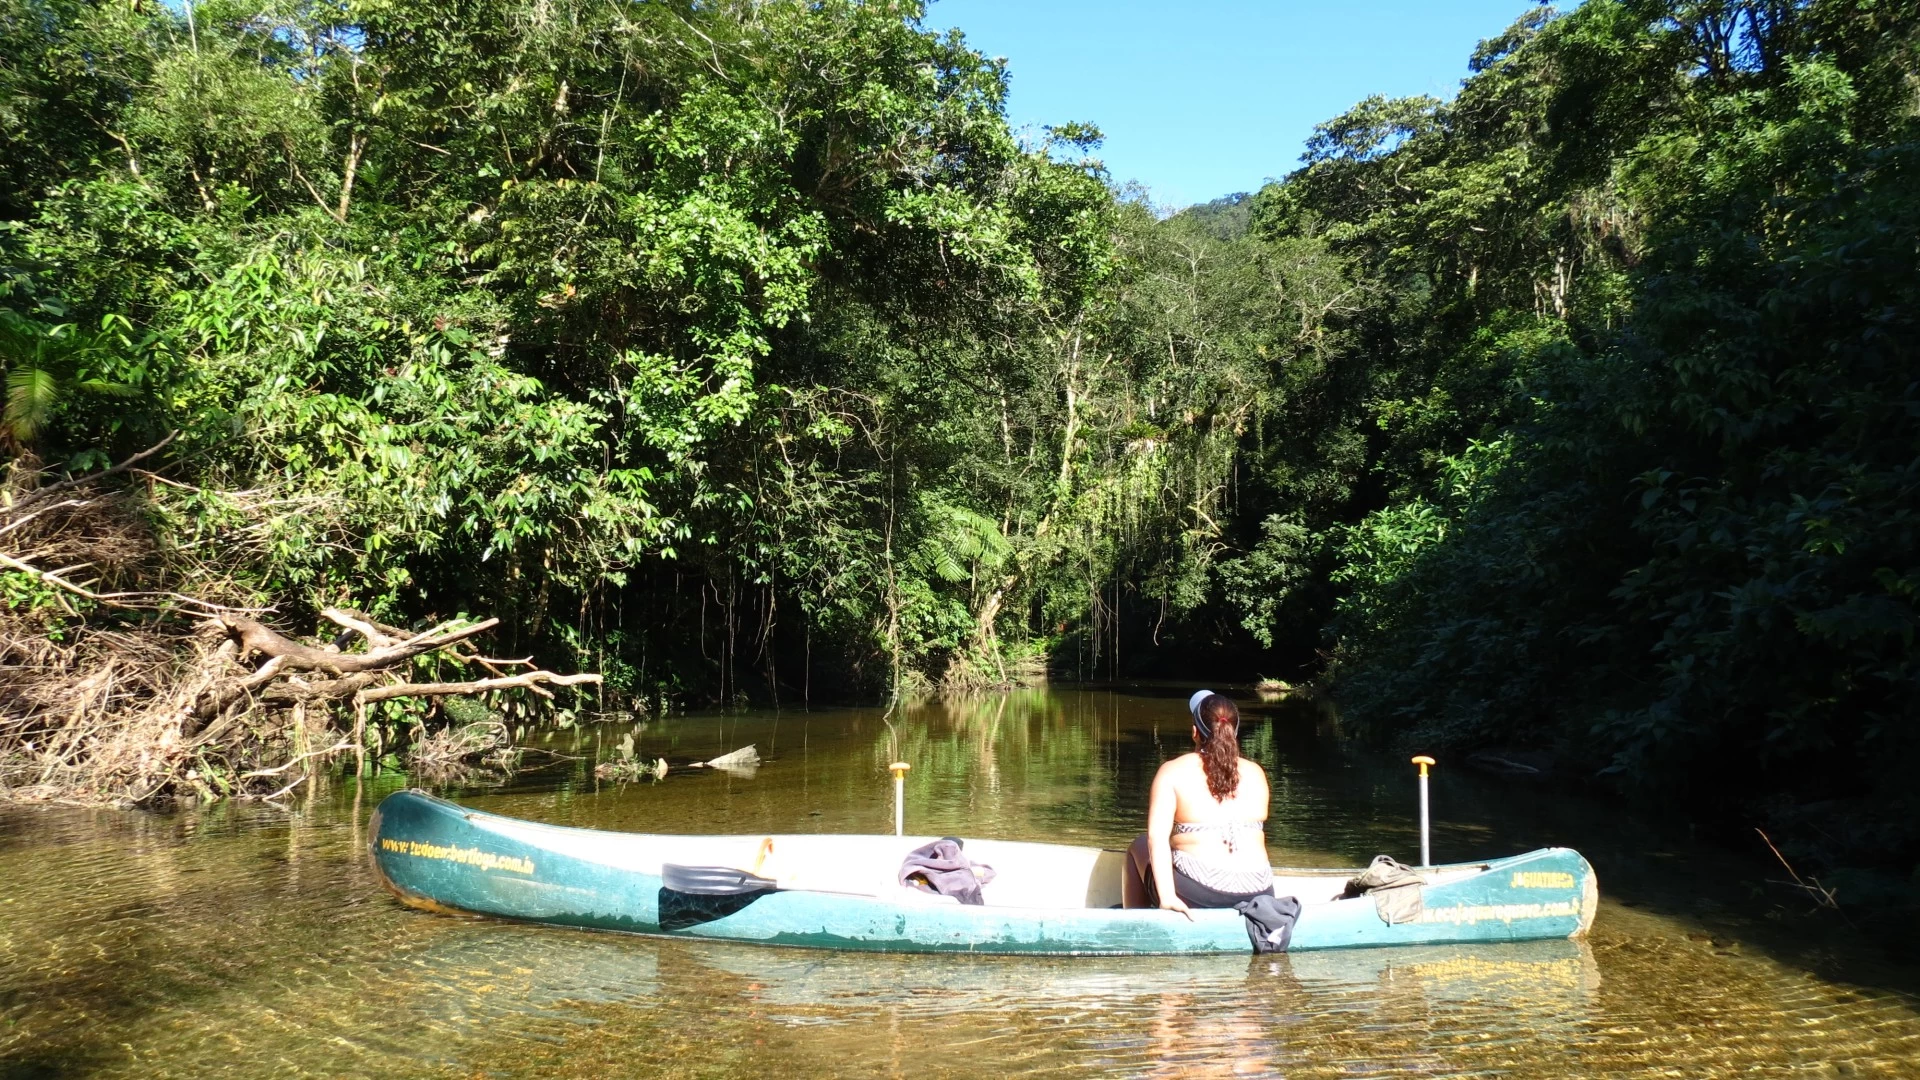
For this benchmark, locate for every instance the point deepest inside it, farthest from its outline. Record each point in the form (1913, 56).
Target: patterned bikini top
(1231, 833)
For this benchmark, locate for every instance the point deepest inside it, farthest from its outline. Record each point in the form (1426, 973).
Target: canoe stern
(1549, 893)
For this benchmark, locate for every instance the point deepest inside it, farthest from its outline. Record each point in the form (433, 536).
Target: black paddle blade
(691, 895)
(713, 880)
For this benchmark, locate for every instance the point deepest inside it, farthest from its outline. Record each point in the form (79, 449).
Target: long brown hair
(1220, 753)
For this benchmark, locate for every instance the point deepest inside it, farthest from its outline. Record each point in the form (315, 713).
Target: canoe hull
(442, 857)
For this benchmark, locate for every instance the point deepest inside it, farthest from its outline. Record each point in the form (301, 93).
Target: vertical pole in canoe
(900, 797)
(1426, 851)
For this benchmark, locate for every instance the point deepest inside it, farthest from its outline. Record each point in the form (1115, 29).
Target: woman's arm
(1160, 808)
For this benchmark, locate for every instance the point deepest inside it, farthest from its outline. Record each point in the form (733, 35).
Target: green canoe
(841, 891)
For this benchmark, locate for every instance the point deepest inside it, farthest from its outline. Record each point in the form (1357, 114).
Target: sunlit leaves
(1688, 548)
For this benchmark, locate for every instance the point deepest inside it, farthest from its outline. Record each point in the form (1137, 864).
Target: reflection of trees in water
(1003, 763)
(1027, 761)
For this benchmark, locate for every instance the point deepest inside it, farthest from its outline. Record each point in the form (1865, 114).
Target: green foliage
(600, 317)
(51, 369)
(1658, 517)
(741, 349)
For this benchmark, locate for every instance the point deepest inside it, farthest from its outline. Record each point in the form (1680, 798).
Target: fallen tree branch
(354, 622)
(125, 601)
(257, 637)
(269, 798)
(198, 696)
(380, 635)
(491, 664)
(528, 681)
(18, 522)
(295, 689)
(276, 770)
(1821, 895)
(266, 673)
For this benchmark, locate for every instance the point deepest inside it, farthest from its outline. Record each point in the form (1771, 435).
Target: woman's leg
(1139, 871)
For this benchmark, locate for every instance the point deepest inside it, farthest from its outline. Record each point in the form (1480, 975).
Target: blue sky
(1209, 97)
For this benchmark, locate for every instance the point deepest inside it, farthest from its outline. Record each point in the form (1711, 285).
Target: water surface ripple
(247, 941)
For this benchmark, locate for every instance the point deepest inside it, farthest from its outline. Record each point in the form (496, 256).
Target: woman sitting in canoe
(1205, 844)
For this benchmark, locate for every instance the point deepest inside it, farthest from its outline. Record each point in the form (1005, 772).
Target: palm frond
(32, 395)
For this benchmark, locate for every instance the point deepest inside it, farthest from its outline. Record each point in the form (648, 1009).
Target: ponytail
(1220, 751)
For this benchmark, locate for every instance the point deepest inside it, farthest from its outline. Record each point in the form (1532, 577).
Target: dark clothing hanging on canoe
(1395, 888)
(1270, 921)
(941, 867)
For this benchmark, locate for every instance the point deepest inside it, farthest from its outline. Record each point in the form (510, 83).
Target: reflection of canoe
(839, 891)
(1538, 975)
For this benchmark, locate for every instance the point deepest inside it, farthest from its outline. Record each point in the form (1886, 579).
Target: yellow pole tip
(1424, 760)
(899, 766)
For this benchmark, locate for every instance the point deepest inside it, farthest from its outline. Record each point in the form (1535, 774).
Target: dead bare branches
(360, 678)
(255, 637)
(460, 752)
(76, 535)
(37, 496)
(129, 677)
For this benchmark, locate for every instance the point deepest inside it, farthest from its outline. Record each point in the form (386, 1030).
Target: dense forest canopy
(741, 350)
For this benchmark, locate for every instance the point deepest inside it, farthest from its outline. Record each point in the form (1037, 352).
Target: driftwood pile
(302, 675)
(109, 694)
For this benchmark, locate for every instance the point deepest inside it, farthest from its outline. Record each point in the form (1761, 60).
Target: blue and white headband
(1200, 722)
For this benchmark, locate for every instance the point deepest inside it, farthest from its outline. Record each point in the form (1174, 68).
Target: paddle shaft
(1426, 851)
(900, 797)
(1426, 848)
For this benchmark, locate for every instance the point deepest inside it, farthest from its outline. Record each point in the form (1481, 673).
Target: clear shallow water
(250, 942)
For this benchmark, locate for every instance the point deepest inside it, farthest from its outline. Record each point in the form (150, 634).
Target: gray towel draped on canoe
(941, 867)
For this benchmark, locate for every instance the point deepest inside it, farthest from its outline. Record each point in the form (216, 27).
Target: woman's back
(1194, 802)
(1205, 843)
(1225, 833)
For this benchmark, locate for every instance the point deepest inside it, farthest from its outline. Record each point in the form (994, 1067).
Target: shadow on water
(1704, 897)
(244, 941)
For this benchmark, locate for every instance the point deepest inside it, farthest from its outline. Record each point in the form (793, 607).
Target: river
(251, 941)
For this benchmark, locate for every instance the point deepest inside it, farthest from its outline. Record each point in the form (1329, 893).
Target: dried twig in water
(1822, 896)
